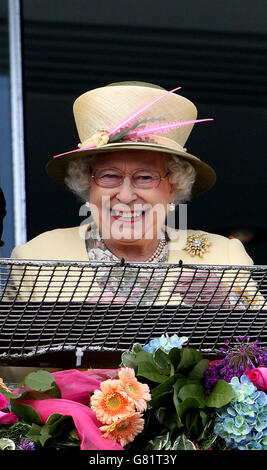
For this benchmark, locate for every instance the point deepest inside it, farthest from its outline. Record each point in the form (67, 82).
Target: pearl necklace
(154, 255)
(158, 250)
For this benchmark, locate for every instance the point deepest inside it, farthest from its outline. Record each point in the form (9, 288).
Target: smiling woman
(131, 168)
(129, 196)
(126, 218)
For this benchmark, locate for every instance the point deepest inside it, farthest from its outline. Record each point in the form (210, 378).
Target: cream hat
(127, 116)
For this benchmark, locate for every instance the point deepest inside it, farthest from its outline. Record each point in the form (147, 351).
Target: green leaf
(189, 358)
(34, 433)
(193, 391)
(160, 400)
(7, 444)
(160, 414)
(159, 442)
(182, 443)
(193, 425)
(147, 368)
(53, 418)
(162, 361)
(167, 418)
(128, 359)
(137, 348)
(168, 445)
(221, 394)
(174, 356)
(180, 382)
(44, 435)
(206, 422)
(151, 372)
(200, 368)
(39, 434)
(74, 436)
(26, 412)
(41, 380)
(190, 403)
(58, 424)
(177, 405)
(165, 386)
(208, 442)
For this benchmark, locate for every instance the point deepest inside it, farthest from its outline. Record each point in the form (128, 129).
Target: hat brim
(205, 175)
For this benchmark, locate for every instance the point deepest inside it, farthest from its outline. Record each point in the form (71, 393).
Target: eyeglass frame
(130, 174)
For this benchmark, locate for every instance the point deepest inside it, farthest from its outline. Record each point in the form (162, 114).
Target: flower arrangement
(164, 396)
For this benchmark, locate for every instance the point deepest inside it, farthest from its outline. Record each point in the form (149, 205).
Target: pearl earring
(171, 206)
(87, 204)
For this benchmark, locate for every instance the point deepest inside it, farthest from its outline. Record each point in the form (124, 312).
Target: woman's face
(125, 212)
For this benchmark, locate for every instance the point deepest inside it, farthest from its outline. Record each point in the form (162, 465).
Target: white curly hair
(182, 175)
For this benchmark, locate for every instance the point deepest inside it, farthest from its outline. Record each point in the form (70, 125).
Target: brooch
(197, 245)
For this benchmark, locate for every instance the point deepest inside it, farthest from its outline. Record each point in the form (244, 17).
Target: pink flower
(3, 402)
(6, 418)
(258, 377)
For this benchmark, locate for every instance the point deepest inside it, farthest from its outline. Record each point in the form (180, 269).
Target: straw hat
(107, 120)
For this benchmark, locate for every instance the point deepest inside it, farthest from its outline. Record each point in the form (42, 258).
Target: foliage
(58, 431)
(179, 414)
(185, 405)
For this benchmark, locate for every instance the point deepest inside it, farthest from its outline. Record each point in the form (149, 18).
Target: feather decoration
(139, 111)
(163, 127)
(129, 132)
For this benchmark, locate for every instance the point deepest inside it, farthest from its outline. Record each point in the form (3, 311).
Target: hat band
(101, 138)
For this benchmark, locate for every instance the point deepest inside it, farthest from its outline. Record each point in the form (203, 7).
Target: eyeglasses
(140, 179)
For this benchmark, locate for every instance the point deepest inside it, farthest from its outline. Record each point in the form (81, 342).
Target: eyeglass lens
(110, 178)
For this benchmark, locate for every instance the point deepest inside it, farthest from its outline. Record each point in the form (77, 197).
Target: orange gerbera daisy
(138, 393)
(111, 402)
(125, 429)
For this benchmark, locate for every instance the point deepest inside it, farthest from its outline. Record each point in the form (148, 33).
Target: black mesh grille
(56, 306)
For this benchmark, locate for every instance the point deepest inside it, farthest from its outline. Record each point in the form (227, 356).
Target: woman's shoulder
(60, 243)
(175, 234)
(217, 249)
(186, 235)
(57, 233)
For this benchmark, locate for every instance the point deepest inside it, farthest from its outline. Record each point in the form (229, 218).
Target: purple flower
(240, 356)
(25, 444)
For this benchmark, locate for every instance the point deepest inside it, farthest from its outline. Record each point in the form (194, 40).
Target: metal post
(17, 127)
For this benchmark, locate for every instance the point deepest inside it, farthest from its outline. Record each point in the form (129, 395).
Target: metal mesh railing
(59, 306)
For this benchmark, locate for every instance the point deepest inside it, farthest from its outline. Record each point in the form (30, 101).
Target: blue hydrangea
(165, 343)
(242, 423)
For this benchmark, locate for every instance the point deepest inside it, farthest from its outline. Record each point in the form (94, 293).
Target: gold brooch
(197, 245)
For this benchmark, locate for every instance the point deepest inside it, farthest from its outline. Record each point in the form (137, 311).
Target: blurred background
(215, 50)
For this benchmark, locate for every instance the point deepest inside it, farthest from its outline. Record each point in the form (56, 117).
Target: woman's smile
(127, 217)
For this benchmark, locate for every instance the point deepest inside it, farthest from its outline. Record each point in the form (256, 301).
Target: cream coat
(67, 244)
(77, 283)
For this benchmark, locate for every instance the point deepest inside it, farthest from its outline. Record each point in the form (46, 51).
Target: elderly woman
(130, 169)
